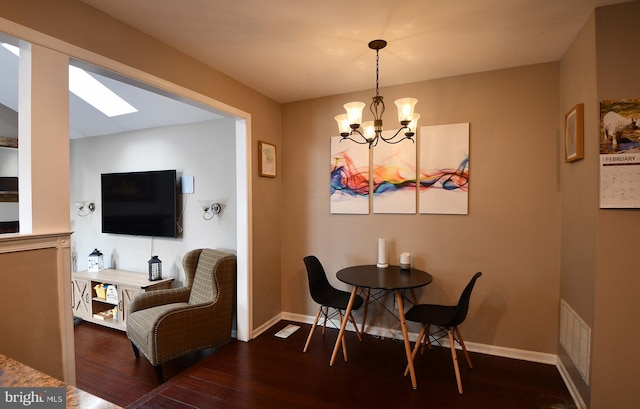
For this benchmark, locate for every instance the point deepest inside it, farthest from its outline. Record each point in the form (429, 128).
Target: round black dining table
(391, 278)
(386, 278)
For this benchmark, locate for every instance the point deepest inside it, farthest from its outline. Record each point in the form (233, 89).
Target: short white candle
(405, 260)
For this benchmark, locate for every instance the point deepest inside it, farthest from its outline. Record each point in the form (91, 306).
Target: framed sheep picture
(574, 134)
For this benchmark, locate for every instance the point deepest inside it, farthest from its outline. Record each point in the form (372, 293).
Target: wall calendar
(620, 181)
(620, 154)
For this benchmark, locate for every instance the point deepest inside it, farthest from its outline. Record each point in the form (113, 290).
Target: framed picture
(574, 134)
(267, 160)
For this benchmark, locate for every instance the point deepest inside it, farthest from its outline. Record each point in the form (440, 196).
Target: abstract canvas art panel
(444, 169)
(394, 177)
(349, 181)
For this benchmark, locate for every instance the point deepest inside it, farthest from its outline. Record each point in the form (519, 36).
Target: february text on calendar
(620, 181)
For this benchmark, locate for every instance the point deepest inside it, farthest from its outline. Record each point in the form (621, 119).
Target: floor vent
(575, 338)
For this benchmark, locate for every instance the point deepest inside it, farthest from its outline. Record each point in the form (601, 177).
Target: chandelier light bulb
(414, 122)
(412, 126)
(405, 108)
(354, 112)
(369, 130)
(343, 124)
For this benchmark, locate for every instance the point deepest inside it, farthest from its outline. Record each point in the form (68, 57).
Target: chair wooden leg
(344, 341)
(464, 348)
(415, 348)
(353, 321)
(427, 339)
(454, 356)
(343, 324)
(326, 317)
(135, 350)
(326, 314)
(313, 328)
(421, 337)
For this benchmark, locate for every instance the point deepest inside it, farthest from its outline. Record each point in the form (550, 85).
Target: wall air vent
(575, 338)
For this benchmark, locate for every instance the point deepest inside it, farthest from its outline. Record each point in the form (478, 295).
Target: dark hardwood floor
(271, 372)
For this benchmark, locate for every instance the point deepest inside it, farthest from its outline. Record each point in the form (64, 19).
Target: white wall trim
(513, 353)
(244, 275)
(270, 323)
(308, 319)
(531, 356)
(521, 354)
(573, 390)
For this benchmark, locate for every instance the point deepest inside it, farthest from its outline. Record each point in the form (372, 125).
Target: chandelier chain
(377, 73)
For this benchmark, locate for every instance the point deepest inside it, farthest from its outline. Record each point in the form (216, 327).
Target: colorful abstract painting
(394, 177)
(349, 177)
(444, 169)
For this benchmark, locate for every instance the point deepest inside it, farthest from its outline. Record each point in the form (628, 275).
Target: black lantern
(155, 269)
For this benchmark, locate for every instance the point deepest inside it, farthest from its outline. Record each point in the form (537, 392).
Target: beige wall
(31, 333)
(615, 360)
(599, 274)
(36, 303)
(511, 233)
(43, 132)
(579, 183)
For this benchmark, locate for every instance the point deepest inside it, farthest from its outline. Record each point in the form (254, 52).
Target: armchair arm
(159, 297)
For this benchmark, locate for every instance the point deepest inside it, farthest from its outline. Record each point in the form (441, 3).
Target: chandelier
(351, 127)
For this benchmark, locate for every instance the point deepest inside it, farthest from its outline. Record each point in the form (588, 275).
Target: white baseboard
(573, 390)
(307, 319)
(262, 328)
(520, 354)
(523, 355)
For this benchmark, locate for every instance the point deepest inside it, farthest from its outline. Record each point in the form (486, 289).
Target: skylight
(15, 50)
(91, 90)
(96, 94)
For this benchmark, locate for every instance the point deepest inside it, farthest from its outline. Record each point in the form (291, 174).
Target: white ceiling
(154, 109)
(291, 50)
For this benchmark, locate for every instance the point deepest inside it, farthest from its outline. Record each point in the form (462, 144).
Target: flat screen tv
(140, 203)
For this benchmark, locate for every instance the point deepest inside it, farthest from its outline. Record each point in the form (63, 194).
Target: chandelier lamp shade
(350, 124)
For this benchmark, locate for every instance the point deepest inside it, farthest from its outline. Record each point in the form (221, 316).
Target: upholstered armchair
(166, 324)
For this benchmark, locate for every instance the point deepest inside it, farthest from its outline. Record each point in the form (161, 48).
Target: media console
(91, 305)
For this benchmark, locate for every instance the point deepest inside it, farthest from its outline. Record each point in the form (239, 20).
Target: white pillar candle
(382, 253)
